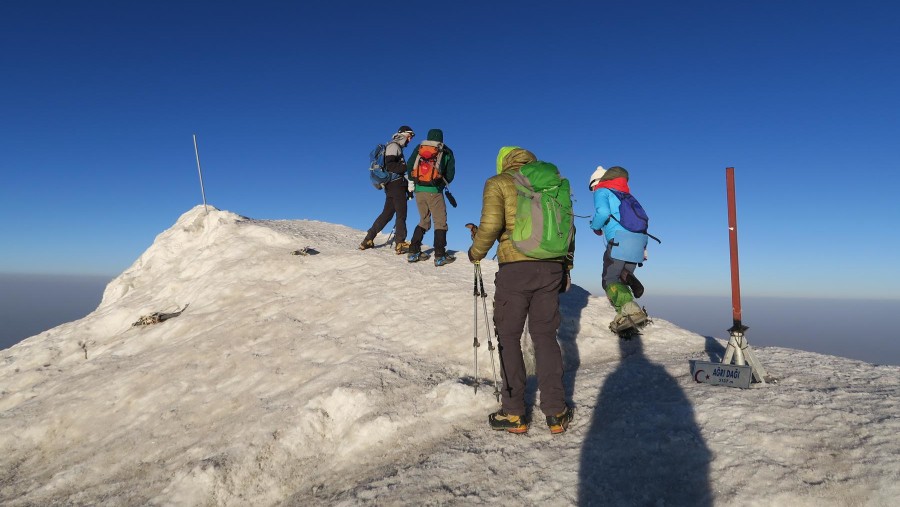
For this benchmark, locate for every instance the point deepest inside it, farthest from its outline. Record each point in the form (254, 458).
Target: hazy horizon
(856, 329)
(852, 328)
(33, 303)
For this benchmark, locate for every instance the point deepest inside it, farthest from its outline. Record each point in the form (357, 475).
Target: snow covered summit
(345, 377)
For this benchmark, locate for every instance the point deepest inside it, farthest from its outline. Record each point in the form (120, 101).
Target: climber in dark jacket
(395, 193)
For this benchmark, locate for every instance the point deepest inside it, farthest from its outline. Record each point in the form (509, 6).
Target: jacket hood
(512, 158)
(615, 172)
(436, 135)
(400, 138)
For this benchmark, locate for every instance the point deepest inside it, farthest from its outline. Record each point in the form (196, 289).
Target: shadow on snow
(643, 446)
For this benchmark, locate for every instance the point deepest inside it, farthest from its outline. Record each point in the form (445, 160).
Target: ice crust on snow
(346, 378)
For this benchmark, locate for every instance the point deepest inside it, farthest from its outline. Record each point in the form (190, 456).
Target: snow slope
(345, 378)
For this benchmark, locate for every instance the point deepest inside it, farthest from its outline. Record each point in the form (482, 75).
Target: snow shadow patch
(644, 446)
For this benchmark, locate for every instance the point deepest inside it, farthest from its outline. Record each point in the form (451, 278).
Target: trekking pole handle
(481, 281)
(475, 281)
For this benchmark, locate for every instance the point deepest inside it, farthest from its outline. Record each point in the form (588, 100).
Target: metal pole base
(739, 352)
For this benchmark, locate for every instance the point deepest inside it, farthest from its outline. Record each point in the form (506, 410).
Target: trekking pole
(487, 326)
(475, 343)
(391, 235)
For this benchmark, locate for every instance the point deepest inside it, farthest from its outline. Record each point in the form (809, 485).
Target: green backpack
(543, 228)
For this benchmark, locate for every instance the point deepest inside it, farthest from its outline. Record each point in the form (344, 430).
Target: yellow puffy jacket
(498, 211)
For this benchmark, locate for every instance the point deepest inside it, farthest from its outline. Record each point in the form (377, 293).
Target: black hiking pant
(529, 290)
(440, 241)
(394, 203)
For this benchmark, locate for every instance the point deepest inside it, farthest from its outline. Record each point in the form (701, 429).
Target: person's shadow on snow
(643, 446)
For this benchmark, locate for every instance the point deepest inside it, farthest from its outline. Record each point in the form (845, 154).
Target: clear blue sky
(100, 99)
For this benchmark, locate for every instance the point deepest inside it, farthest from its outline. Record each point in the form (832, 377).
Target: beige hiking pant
(432, 205)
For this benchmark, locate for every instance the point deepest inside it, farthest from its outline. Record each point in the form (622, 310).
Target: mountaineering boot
(441, 260)
(559, 423)
(417, 256)
(630, 316)
(401, 247)
(628, 278)
(366, 244)
(635, 313)
(500, 420)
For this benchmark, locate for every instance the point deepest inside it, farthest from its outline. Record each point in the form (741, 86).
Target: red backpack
(427, 167)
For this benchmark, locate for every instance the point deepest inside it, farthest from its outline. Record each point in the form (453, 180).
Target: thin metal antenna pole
(200, 172)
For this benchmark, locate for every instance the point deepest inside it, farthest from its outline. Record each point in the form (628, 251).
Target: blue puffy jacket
(631, 245)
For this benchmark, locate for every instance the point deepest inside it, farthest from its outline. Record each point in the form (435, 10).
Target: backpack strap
(620, 223)
(394, 176)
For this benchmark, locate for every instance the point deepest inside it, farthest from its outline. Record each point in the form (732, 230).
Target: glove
(409, 195)
(410, 186)
(598, 233)
(471, 259)
(473, 229)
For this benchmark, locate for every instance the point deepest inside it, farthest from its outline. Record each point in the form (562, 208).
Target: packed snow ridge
(345, 377)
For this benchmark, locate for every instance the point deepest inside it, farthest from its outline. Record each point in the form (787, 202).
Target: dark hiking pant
(440, 241)
(612, 268)
(394, 203)
(529, 289)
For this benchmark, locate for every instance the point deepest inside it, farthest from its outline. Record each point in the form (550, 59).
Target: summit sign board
(719, 374)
